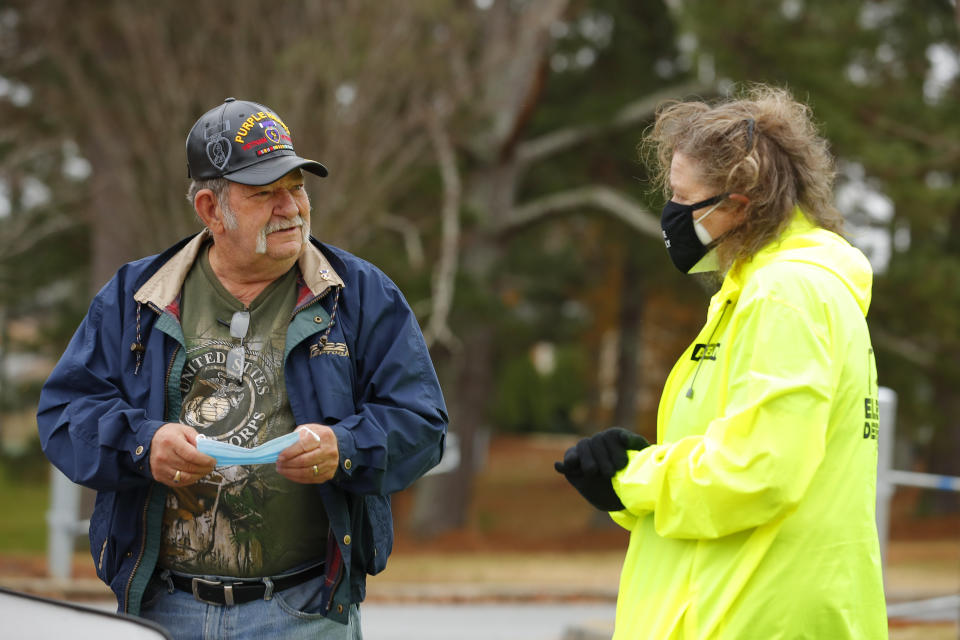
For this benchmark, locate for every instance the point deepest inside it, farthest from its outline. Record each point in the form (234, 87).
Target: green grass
(24, 500)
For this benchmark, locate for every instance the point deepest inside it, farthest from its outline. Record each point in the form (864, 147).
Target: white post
(886, 445)
(63, 523)
(451, 456)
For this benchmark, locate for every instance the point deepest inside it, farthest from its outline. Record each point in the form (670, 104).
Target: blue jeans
(283, 616)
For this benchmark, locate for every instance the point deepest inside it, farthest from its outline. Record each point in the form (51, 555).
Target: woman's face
(688, 187)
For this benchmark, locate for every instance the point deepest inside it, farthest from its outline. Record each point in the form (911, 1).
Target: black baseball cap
(243, 142)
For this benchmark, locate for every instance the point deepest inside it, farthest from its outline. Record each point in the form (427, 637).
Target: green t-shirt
(243, 520)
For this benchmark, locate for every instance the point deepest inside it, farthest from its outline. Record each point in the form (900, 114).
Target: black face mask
(683, 244)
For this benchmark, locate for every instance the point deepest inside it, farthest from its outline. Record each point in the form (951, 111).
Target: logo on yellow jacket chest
(705, 351)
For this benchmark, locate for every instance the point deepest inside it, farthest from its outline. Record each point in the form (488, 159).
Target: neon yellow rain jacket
(753, 515)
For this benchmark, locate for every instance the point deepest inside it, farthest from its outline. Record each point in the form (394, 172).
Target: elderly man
(250, 334)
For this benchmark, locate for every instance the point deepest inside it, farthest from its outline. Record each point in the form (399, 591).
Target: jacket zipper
(336, 585)
(689, 393)
(166, 380)
(146, 503)
(341, 570)
(306, 304)
(103, 550)
(143, 548)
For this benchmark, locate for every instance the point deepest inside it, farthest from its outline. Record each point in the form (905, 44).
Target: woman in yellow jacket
(753, 514)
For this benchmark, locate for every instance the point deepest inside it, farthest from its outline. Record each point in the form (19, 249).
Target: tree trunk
(114, 218)
(628, 370)
(441, 502)
(946, 444)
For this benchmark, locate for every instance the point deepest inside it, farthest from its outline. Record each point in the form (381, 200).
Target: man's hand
(312, 459)
(589, 465)
(174, 459)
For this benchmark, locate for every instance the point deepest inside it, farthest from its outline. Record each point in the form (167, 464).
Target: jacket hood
(804, 242)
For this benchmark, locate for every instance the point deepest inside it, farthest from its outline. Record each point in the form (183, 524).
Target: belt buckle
(227, 590)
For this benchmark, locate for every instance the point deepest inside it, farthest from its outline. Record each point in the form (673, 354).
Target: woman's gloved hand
(589, 465)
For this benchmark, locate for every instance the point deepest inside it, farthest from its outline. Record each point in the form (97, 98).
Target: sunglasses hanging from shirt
(239, 324)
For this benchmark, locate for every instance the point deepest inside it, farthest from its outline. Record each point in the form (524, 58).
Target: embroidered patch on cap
(245, 142)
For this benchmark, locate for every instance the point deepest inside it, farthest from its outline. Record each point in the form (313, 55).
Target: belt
(232, 592)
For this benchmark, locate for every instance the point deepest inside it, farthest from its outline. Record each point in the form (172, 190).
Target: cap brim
(273, 169)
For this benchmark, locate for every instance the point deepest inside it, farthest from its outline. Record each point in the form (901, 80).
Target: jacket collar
(317, 272)
(162, 289)
(742, 270)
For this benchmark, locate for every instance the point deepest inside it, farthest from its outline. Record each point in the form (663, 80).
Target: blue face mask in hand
(229, 454)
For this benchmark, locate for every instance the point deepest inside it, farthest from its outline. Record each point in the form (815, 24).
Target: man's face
(272, 222)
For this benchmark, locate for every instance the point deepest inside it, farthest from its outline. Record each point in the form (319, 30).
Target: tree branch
(411, 238)
(26, 234)
(637, 111)
(906, 349)
(513, 55)
(604, 198)
(438, 329)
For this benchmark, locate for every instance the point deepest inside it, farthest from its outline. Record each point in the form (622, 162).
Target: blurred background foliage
(483, 153)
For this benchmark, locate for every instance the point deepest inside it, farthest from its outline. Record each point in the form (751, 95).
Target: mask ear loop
(712, 209)
(310, 431)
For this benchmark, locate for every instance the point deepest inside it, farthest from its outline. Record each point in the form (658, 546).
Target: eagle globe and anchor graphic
(202, 411)
(220, 406)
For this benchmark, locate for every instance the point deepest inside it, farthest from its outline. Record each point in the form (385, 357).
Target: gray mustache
(284, 224)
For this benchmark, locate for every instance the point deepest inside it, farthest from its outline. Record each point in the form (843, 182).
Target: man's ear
(208, 209)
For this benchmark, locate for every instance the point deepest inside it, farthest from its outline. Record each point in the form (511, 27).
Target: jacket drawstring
(709, 340)
(137, 346)
(333, 314)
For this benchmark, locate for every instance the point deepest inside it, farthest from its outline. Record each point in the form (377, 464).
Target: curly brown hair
(763, 144)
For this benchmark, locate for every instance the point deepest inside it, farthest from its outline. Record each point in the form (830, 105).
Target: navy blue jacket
(369, 378)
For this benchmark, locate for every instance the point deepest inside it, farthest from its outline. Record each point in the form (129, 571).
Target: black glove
(590, 464)
(602, 454)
